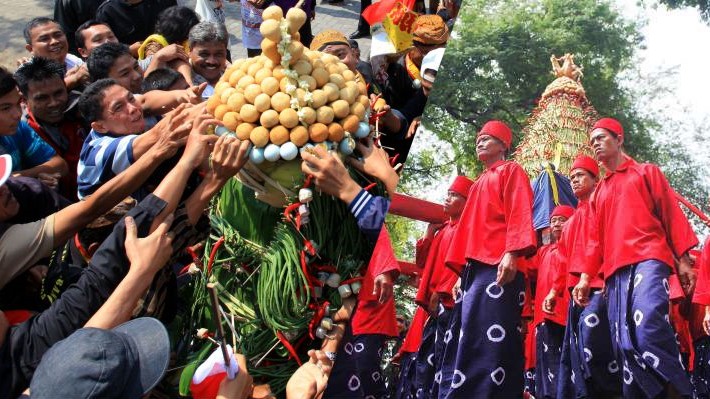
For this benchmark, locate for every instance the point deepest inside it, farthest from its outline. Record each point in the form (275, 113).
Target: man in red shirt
(495, 229)
(639, 232)
(549, 323)
(434, 292)
(586, 352)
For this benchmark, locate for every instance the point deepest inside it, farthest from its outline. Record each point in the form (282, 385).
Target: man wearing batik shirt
(495, 229)
(549, 324)
(639, 232)
(435, 286)
(586, 352)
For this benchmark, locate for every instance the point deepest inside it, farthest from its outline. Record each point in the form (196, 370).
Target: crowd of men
(107, 167)
(109, 143)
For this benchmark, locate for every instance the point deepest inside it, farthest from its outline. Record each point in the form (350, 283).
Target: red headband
(611, 125)
(562, 210)
(499, 130)
(587, 163)
(461, 185)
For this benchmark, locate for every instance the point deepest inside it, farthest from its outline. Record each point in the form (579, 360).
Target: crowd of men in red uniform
(610, 307)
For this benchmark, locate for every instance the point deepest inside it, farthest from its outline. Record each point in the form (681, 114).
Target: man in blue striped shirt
(116, 139)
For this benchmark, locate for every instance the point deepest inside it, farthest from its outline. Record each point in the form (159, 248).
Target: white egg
(272, 152)
(256, 156)
(288, 151)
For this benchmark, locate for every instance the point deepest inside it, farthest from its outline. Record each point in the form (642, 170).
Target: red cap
(461, 185)
(562, 210)
(5, 168)
(611, 125)
(499, 130)
(587, 163)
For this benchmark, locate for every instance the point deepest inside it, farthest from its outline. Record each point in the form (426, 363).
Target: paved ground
(16, 13)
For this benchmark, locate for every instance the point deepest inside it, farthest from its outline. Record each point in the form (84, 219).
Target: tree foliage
(703, 6)
(497, 65)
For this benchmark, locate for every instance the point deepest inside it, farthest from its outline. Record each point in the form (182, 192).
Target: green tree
(497, 65)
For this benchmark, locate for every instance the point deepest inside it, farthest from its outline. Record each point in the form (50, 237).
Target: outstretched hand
(329, 174)
(375, 162)
(149, 254)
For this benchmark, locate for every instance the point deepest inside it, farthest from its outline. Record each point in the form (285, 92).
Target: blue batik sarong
(489, 358)
(407, 372)
(643, 340)
(548, 338)
(588, 367)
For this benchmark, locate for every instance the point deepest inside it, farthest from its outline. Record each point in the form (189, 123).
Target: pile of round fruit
(290, 98)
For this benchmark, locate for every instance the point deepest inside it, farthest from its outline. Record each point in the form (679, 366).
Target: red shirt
(414, 335)
(546, 264)
(571, 247)
(637, 219)
(372, 317)
(69, 150)
(496, 219)
(436, 277)
(702, 264)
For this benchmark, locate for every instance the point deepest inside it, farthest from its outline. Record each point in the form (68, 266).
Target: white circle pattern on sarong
(447, 336)
(437, 377)
(419, 393)
(638, 317)
(461, 379)
(370, 397)
(359, 347)
(666, 286)
(544, 347)
(587, 355)
(640, 361)
(613, 367)
(637, 280)
(628, 375)
(650, 357)
(528, 374)
(591, 320)
(498, 376)
(376, 376)
(430, 359)
(496, 294)
(573, 377)
(349, 348)
(491, 329)
(550, 376)
(521, 298)
(353, 383)
(668, 319)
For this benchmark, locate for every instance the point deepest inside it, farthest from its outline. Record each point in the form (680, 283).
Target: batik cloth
(489, 357)
(549, 337)
(642, 337)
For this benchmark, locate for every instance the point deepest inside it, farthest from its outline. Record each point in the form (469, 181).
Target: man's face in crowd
(606, 145)
(10, 112)
(419, 50)
(127, 73)
(9, 206)
(344, 53)
(94, 36)
(582, 183)
(209, 60)
(47, 99)
(48, 41)
(454, 203)
(489, 148)
(556, 225)
(121, 114)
